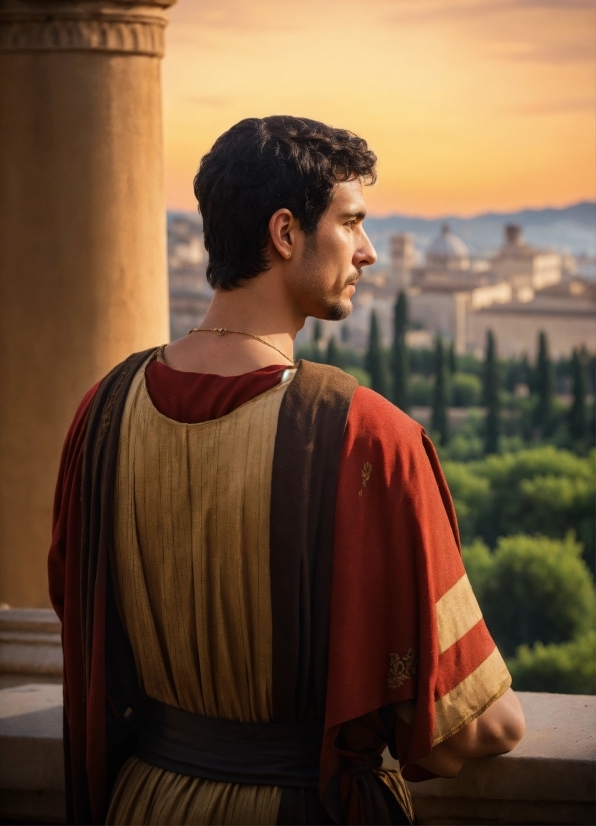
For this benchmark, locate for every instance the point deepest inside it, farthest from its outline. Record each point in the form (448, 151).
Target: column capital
(119, 26)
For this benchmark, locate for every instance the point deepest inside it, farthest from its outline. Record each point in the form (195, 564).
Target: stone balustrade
(547, 779)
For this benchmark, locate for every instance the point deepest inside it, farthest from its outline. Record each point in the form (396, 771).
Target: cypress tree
(332, 353)
(577, 413)
(399, 352)
(374, 358)
(491, 396)
(543, 384)
(439, 422)
(452, 359)
(317, 331)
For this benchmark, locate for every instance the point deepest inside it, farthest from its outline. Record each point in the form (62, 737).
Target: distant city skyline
(470, 105)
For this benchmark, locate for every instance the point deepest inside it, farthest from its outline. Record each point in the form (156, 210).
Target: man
(257, 564)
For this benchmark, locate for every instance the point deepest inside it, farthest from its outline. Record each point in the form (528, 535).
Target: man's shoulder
(327, 371)
(374, 416)
(129, 365)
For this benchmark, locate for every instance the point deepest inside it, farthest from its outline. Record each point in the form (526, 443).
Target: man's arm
(497, 731)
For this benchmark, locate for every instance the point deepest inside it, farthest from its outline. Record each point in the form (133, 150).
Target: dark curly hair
(261, 165)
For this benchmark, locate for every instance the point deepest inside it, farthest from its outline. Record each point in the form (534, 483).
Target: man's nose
(366, 253)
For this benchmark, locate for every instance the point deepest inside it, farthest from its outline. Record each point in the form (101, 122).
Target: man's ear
(282, 230)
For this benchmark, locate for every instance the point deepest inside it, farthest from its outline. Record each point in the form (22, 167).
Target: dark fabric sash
(270, 754)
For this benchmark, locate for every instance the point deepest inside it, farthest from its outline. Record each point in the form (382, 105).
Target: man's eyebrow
(360, 216)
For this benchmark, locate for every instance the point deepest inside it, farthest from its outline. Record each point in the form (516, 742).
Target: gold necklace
(222, 331)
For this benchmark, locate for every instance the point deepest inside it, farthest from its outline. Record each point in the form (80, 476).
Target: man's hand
(497, 731)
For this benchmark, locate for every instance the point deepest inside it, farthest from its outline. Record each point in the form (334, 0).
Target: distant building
(190, 294)
(566, 312)
(448, 252)
(525, 267)
(517, 293)
(403, 261)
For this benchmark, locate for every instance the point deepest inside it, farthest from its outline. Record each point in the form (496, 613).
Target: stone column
(83, 279)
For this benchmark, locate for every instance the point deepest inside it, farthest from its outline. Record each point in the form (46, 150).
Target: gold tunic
(191, 576)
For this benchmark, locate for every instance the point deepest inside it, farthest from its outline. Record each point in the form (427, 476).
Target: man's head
(287, 188)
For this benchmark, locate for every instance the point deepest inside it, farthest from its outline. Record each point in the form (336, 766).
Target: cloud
(541, 31)
(409, 11)
(553, 53)
(568, 5)
(559, 107)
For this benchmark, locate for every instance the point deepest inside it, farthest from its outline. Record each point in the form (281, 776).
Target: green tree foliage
(543, 386)
(568, 668)
(490, 396)
(577, 413)
(374, 360)
(478, 561)
(332, 356)
(466, 390)
(554, 504)
(471, 496)
(317, 331)
(421, 361)
(399, 352)
(360, 375)
(439, 421)
(420, 391)
(533, 589)
(540, 490)
(515, 372)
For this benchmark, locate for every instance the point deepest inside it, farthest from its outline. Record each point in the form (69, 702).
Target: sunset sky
(470, 105)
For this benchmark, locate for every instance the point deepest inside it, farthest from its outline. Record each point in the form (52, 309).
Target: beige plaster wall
(517, 332)
(82, 266)
(441, 312)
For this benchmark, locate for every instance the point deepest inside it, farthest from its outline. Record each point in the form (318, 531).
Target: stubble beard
(326, 310)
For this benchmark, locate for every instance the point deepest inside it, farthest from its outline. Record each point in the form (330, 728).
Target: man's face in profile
(333, 258)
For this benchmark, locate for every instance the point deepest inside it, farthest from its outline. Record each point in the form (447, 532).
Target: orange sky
(470, 105)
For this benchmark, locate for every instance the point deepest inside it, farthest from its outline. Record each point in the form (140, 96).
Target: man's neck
(256, 308)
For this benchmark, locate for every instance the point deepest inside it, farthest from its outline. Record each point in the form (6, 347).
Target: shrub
(420, 392)
(478, 561)
(535, 589)
(360, 374)
(466, 390)
(463, 447)
(471, 497)
(569, 668)
(552, 504)
(538, 490)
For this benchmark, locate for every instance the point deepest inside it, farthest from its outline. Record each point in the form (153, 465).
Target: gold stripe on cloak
(457, 612)
(471, 697)
(191, 571)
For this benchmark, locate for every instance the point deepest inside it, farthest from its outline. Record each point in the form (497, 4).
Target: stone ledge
(30, 642)
(31, 757)
(547, 779)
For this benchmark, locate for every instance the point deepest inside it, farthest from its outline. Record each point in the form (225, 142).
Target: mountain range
(569, 229)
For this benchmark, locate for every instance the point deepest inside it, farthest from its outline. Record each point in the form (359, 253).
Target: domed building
(448, 252)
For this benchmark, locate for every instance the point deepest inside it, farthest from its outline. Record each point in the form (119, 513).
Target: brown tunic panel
(192, 580)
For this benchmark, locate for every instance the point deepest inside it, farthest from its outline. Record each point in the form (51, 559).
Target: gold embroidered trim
(402, 668)
(366, 471)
